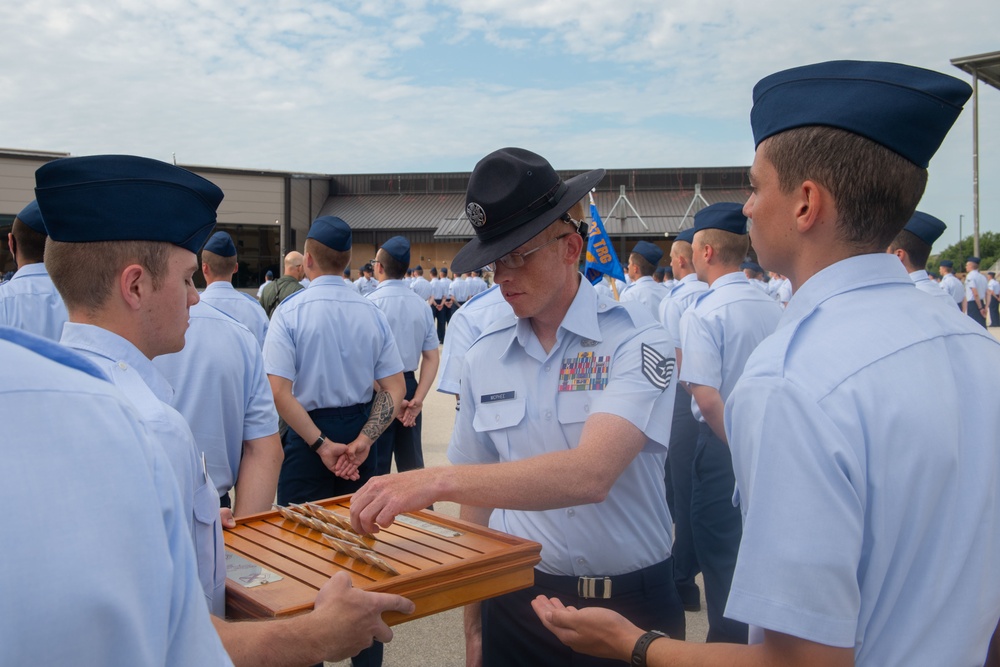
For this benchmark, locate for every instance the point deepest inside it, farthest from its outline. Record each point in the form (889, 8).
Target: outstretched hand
(384, 497)
(595, 631)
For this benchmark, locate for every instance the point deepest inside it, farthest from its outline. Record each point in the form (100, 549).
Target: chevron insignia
(657, 368)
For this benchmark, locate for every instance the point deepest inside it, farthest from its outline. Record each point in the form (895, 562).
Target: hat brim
(476, 253)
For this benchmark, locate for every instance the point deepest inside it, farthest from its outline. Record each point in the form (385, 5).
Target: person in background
(912, 246)
(289, 283)
(218, 265)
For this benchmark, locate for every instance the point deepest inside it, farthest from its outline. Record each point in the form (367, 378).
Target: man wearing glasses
(564, 422)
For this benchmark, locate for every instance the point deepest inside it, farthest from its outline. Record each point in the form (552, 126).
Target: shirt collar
(846, 275)
(219, 285)
(580, 319)
(919, 275)
(118, 350)
(643, 279)
(36, 269)
(327, 280)
(729, 279)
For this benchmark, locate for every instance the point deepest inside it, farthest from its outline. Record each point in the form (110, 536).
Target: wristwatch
(319, 442)
(639, 652)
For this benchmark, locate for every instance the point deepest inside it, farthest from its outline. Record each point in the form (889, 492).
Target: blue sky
(416, 85)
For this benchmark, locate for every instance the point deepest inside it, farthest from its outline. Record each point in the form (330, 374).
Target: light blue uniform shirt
(331, 342)
(975, 279)
(953, 286)
(410, 320)
(681, 297)
(421, 287)
(460, 289)
(29, 302)
(721, 329)
(150, 394)
(241, 307)
(365, 286)
(464, 328)
(221, 389)
(924, 284)
(648, 292)
(439, 288)
(870, 506)
(477, 286)
(519, 402)
(110, 577)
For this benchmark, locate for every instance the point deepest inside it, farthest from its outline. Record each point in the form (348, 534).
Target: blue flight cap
(947, 263)
(332, 232)
(726, 216)
(686, 235)
(906, 109)
(398, 248)
(661, 271)
(925, 227)
(649, 251)
(221, 244)
(125, 198)
(753, 266)
(973, 259)
(418, 268)
(31, 216)
(269, 274)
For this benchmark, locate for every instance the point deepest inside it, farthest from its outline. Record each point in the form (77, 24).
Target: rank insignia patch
(657, 368)
(585, 372)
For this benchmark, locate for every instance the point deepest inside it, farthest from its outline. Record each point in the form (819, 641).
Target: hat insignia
(477, 216)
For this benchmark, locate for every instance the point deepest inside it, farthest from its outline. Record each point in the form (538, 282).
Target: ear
(574, 249)
(235, 268)
(12, 245)
(708, 253)
(134, 285)
(901, 254)
(814, 206)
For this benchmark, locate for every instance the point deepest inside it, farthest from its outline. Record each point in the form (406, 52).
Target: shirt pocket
(572, 410)
(495, 419)
(206, 534)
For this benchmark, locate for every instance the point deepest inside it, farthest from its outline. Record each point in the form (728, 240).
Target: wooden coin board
(438, 569)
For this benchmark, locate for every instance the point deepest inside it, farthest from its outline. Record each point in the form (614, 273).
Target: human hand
(348, 619)
(334, 454)
(408, 411)
(227, 518)
(353, 457)
(595, 631)
(384, 497)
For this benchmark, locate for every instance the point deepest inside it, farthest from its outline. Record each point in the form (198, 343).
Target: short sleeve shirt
(409, 319)
(30, 302)
(241, 307)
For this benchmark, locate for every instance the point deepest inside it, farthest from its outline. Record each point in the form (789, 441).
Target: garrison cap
(398, 248)
(973, 259)
(907, 109)
(753, 266)
(649, 251)
(31, 216)
(221, 244)
(726, 216)
(332, 232)
(925, 227)
(947, 263)
(686, 235)
(125, 198)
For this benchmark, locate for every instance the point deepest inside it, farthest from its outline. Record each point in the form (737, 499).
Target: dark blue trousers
(441, 317)
(403, 441)
(680, 459)
(513, 635)
(717, 527)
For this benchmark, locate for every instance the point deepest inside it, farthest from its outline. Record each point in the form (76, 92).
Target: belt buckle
(594, 588)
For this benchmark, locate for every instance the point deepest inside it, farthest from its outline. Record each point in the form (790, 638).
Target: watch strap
(319, 442)
(642, 645)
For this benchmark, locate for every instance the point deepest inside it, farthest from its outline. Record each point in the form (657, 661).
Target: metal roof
(985, 66)
(397, 212)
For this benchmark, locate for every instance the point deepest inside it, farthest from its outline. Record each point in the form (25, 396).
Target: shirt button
(581, 561)
(498, 419)
(548, 414)
(586, 408)
(548, 367)
(122, 365)
(571, 512)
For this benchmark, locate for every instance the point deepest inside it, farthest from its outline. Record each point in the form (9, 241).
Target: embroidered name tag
(493, 398)
(586, 372)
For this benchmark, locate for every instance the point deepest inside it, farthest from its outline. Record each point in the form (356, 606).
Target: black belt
(607, 587)
(339, 412)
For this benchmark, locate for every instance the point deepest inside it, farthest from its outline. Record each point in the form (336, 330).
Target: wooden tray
(437, 570)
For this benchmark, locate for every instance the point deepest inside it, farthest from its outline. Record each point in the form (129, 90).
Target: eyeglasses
(515, 260)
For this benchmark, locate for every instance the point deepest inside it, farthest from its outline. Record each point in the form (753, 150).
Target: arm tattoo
(380, 417)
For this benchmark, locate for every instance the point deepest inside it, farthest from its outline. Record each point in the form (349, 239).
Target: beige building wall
(17, 181)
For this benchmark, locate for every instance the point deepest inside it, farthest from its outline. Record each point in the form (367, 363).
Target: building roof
(986, 66)
(435, 203)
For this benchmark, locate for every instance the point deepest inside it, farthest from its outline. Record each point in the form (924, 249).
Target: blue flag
(601, 257)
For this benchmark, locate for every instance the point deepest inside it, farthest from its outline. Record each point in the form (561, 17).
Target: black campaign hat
(513, 195)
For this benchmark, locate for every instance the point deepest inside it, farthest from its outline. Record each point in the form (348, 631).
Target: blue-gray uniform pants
(680, 459)
(404, 441)
(995, 312)
(513, 635)
(973, 311)
(304, 477)
(717, 527)
(441, 318)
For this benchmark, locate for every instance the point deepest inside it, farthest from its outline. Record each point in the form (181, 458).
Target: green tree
(989, 248)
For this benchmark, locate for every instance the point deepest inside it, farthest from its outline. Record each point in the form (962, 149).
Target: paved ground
(438, 641)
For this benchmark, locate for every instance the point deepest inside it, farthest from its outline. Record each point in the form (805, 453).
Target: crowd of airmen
(695, 419)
